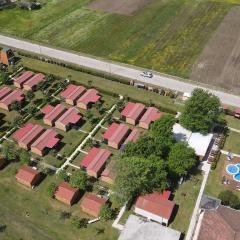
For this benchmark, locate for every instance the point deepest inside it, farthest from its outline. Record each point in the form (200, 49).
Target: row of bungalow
(65, 193)
(155, 206)
(61, 117)
(9, 96)
(80, 96)
(28, 80)
(36, 138)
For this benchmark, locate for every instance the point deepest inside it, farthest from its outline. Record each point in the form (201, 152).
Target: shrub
(228, 198)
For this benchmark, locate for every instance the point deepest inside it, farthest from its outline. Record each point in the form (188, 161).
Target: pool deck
(227, 179)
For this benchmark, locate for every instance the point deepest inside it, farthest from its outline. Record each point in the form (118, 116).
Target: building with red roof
(95, 161)
(89, 97)
(109, 173)
(133, 112)
(22, 78)
(152, 114)
(155, 206)
(116, 135)
(133, 136)
(69, 118)
(91, 204)
(4, 92)
(53, 113)
(31, 84)
(47, 140)
(28, 176)
(237, 113)
(66, 194)
(72, 93)
(28, 134)
(14, 96)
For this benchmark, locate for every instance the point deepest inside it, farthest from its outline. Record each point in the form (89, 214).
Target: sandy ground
(219, 63)
(123, 7)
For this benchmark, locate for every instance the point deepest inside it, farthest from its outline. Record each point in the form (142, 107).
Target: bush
(106, 213)
(79, 222)
(51, 189)
(228, 198)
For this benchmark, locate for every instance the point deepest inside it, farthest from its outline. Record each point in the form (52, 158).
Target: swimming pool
(237, 177)
(233, 169)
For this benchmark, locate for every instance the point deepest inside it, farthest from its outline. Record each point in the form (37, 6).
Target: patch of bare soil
(219, 63)
(122, 7)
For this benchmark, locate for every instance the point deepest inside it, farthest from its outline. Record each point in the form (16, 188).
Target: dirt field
(123, 7)
(219, 63)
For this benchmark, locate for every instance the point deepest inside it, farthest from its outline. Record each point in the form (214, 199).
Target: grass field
(44, 221)
(233, 142)
(167, 36)
(233, 122)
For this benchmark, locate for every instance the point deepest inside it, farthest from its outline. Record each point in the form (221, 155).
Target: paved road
(115, 68)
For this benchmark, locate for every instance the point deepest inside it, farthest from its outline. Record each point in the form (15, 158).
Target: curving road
(114, 68)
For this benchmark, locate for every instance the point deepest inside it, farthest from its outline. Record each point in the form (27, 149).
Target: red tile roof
(91, 96)
(35, 80)
(73, 92)
(152, 114)
(156, 203)
(27, 174)
(22, 131)
(92, 203)
(4, 92)
(55, 113)
(220, 224)
(47, 109)
(65, 191)
(132, 137)
(16, 95)
(133, 110)
(237, 111)
(47, 140)
(95, 159)
(116, 132)
(24, 77)
(70, 116)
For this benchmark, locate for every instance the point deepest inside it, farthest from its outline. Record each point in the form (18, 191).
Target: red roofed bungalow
(237, 113)
(116, 135)
(14, 96)
(88, 98)
(69, 118)
(95, 161)
(20, 80)
(33, 82)
(47, 140)
(72, 93)
(152, 114)
(109, 174)
(91, 204)
(28, 176)
(28, 134)
(155, 206)
(67, 194)
(4, 92)
(132, 137)
(133, 112)
(53, 113)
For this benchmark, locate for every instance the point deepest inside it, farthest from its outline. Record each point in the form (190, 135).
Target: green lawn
(233, 142)
(166, 35)
(101, 83)
(233, 122)
(214, 184)
(44, 221)
(185, 197)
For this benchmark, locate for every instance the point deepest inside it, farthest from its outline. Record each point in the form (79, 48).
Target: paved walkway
(115, 223)
(234, 129)
(195, 215)
(233, 154)
(123, 70)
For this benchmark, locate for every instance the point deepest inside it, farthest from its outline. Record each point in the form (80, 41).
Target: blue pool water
(232, 169)
(237, 177)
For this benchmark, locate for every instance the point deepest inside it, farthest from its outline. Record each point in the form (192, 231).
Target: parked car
(147, 74)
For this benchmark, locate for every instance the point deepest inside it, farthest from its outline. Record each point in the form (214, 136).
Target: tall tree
(24, 156)
(200, 111)
(181, 160)
(78, 180)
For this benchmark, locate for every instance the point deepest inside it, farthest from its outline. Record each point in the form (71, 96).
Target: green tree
(51, 189)
(181, 159)
(30, 95)
(16, 106)
(9, 151)
(200, 111)
(228, 198)
(63, 175)
(4, 78)
(136, 175)
(79, 222)
(78, 180)
(106, 213)
(24, 156)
